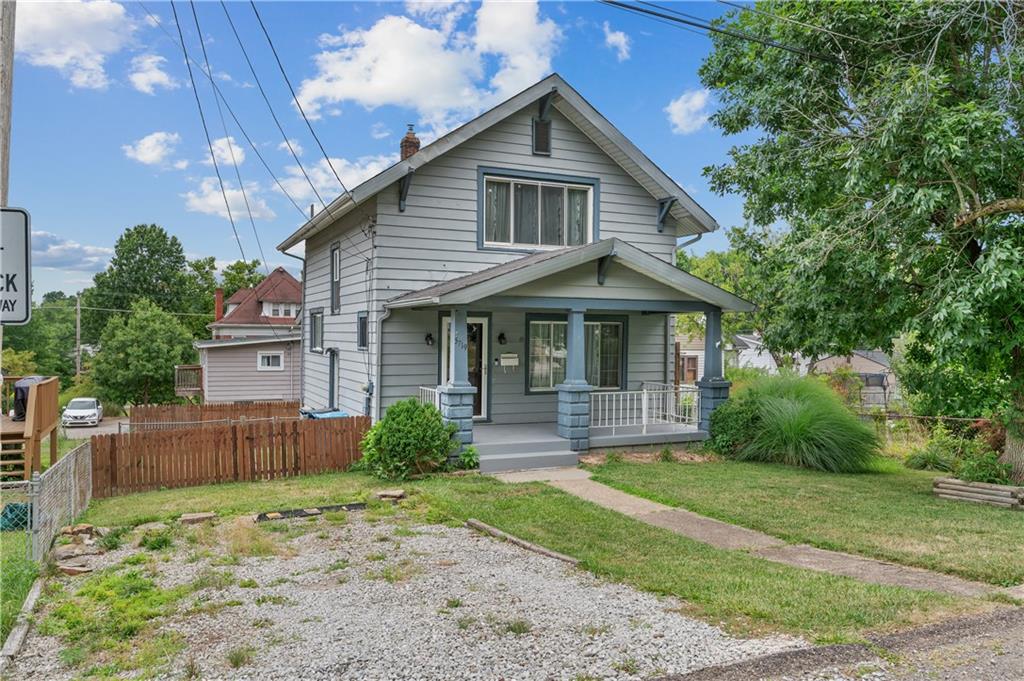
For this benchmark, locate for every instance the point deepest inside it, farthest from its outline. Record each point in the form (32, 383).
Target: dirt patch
(651, 454)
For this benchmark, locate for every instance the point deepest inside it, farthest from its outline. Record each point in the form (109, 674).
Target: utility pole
(78, 335)
(6, 83)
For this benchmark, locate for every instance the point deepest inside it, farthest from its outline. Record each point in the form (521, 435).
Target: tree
(17, 362)
(240, 274)
(891, 149)
(138, 353)
(147, 263)
(49, 336)
(730, 270)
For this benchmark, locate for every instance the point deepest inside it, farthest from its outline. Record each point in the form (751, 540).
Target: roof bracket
(603, 263)
(403, 189)
(544, 105)
(664, 206)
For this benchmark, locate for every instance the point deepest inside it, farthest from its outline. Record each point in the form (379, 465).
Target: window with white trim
(316, 331)
(335, 279)
(362, 331)
(537, 213)
(548, 350)
(270, 361)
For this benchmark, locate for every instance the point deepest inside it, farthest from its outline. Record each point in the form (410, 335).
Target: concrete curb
(16, 638)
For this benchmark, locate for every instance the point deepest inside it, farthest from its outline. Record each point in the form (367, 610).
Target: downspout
(302, 330)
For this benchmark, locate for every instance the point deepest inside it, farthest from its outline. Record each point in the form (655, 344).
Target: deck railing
(188, 380)
(653, 404)
(428, 395)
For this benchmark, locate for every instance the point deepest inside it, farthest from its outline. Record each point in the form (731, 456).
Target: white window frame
(529, 358)
(566, 186)
(316, 319)
(259, 360)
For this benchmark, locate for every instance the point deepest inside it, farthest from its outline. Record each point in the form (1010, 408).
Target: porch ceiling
(506, 282)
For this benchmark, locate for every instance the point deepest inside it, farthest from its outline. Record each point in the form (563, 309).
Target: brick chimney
(218, 304)
(410, 144)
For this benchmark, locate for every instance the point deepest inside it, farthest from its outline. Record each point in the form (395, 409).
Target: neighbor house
(879, 385)
(255, 350)
(519, 273)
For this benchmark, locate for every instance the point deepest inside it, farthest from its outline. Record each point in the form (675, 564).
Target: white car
(82, 411)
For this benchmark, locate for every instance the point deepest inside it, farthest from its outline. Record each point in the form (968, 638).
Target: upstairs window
(536, 213)
(542, 136)
(362, 331)
(335, 279)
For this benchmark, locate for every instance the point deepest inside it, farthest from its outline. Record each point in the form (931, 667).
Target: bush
(945, 451)
(411, 438)
(984, 467)
(796, 421)
(469, 459)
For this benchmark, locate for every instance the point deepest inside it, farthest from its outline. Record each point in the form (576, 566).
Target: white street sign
(15, 267)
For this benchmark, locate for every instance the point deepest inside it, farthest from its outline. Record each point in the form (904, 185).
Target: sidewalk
(577, 482)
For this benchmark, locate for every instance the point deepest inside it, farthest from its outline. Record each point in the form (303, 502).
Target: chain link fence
(16, 519)
(58, 496)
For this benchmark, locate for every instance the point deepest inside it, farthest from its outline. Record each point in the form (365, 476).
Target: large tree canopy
(240, 274)
(894, 156)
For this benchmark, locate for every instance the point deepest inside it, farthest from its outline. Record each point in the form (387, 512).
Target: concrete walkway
(577, 482)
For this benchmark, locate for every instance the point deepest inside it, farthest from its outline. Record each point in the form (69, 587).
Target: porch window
(539, 214)
(602, 354)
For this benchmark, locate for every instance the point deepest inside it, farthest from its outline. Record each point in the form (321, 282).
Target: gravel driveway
(394, 599)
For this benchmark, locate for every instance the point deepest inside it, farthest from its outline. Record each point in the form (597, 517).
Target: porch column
(573, 392)
(714, 389)
(456, 396)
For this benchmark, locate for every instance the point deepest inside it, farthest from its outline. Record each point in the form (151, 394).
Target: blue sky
(106, 134)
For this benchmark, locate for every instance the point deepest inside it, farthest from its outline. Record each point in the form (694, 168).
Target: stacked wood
(1006, 496)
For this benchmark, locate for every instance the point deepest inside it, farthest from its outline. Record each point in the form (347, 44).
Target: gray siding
(232, 376)
(354, 367)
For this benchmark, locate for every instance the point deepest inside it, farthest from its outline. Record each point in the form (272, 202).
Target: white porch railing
(653, 404)
(428, 395)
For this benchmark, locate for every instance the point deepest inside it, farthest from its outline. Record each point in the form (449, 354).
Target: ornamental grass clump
(795, 421)
(410, 439)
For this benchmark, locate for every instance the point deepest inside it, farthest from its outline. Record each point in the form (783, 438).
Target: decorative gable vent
(542, 136)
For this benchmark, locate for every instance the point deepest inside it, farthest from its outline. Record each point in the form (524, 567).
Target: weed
(279, 581)
(627, 666)
(337, 565)
(322, 535)
(376, 556)
(596, 629)
(113, 539)
(73, 656)
(453, 603)
(273, 599)
(666, 455)
(213, 579)
(192, 670)
(403, 531)
(613, 457)
(465, 622)
(240, 656)
(229, 559)
(262, 623)
(399, 572)
(336, 517)
(249, 584)
(157, 540)
(135, 559)
(246, 540)
(518, 627)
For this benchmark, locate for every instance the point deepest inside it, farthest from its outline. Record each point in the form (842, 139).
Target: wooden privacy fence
(263, 450)
(169, 416)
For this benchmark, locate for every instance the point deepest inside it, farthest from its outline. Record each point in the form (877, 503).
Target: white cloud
(50, 251)
(226, 151)
(148, 74)
(207, 198)
(688, 112)
(352, 173)
(430, 67)
(523, 42)
(296, 147)
(154, 149)
(73, 37)
(180, 164)
(379, 131)
(618, 41)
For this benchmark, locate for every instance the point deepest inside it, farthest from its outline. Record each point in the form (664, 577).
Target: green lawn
(731, 587)
(890, 514)
(17, 573)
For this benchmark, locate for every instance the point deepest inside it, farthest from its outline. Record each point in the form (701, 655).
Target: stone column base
(574, 415)
(713, 392)
(457, 407)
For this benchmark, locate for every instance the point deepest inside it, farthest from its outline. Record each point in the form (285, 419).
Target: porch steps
(512, 456)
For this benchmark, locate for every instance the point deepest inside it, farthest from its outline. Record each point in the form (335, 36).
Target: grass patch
(337, 565)
(17, 573)
(249, 584)
(209, 578)
(399, 572)
(749, 594)
(246, 539)
(241, 656)
(453, 603)
(272, 599)
(889, 514)
(157, 540)
(115, 538)
(518, 627)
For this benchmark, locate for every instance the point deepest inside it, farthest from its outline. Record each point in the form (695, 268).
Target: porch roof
(501, 278)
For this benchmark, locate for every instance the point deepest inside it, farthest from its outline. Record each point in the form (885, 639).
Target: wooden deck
(21, 441)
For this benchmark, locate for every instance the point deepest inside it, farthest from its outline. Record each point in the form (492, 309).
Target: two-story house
(254, 353)
(518, 273)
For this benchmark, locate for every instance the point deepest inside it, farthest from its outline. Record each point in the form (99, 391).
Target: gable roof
(500, 278)
(278, 287)
(691, 217)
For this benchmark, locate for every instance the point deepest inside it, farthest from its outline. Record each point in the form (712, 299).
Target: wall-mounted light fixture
(429, 340)
(501, 338)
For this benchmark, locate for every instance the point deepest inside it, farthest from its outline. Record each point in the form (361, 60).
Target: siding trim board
(482, 172)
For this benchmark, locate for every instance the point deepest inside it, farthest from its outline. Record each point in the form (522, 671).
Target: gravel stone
(443, 603)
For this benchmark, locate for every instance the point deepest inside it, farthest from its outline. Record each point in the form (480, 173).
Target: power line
(206, 130)
(231, 112)
(683, 19)
(790, 20)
